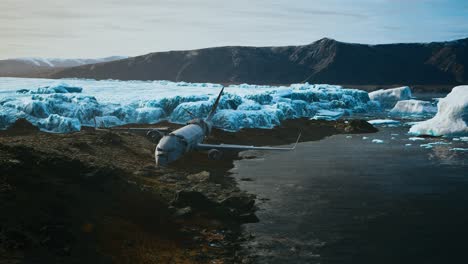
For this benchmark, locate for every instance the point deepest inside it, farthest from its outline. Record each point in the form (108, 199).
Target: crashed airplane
(173, 145)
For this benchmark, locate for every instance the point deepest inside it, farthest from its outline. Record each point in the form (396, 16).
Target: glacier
(451, 118)
(67, 104)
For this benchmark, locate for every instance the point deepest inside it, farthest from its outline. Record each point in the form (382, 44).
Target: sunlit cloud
(90, 28)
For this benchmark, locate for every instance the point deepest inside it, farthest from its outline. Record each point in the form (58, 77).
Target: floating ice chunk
(451, 118)
(408, 145)
(149, 115)
(427, 146)
(412, 123)
(56, 123)
(36, 109)
(440, 143)
(249, 105)
(459, 149)
(328, 115)
(262, 98)
(416, 138)
(170, 103)
(349, 136)
(364, 138)
(413, 107)
(383, 122)
(389, 97)
(237, 119)
(187, 111)
(107, 121)
(464, 139)
(378, 141)
(9, 115)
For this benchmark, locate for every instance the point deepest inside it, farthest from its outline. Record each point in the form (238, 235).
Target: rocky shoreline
(96, 196)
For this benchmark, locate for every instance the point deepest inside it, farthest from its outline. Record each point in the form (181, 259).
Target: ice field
(67, 104)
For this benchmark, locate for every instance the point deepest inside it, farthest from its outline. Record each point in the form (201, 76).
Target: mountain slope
(38, 67)
(324, 61)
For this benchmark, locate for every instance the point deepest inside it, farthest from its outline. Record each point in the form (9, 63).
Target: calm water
(347, 200)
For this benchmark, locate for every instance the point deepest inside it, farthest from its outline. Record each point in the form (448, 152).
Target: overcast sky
(99, 28)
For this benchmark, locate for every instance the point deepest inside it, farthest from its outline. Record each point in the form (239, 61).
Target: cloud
(94, 28)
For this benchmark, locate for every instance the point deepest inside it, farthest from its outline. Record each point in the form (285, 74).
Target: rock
(183, 212)
(248, 218)
(241, 203)
(199, 177)
(193, 199)
(246, 179)
(110, 138)
(22, 126)
(356, 126)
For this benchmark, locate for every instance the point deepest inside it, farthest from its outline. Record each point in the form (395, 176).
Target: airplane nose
(161, 161)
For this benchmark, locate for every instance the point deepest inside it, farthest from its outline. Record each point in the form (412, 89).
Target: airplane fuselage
(174, 145)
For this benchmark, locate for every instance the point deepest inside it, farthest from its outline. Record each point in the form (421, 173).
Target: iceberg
(413, 107)
(107, 121)
(451, 118)
(56, 123)
(328, 115)
(389, 97)
(234, 120)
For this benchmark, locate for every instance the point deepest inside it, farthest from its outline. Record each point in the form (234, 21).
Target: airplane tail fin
(213, 109)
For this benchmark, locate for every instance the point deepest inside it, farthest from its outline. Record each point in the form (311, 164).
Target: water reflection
(348, 200)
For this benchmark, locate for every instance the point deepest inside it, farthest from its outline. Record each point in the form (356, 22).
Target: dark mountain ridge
(43, 67)
(323, 61)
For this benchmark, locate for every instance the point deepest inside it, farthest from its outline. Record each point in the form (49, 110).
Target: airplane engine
(154, 136)
(214, 154)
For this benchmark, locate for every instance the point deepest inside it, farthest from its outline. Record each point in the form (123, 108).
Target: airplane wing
(202, 146)
(164, 130)
(160, 129)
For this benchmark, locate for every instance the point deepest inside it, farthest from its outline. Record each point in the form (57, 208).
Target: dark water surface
(348, 200)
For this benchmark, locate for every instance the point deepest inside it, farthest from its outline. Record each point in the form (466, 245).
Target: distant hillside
(323, 61)
(40, 67)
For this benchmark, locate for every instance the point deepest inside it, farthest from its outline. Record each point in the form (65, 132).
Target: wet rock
(110, 138)
(183, 212)
(22, 126)
(246, 179)
(199, 177)
(145, 172)
(356, 126)
(241, 203)
(193, 199)
(248, 218)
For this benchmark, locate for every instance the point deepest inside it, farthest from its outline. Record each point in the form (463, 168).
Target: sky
(101, 28)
